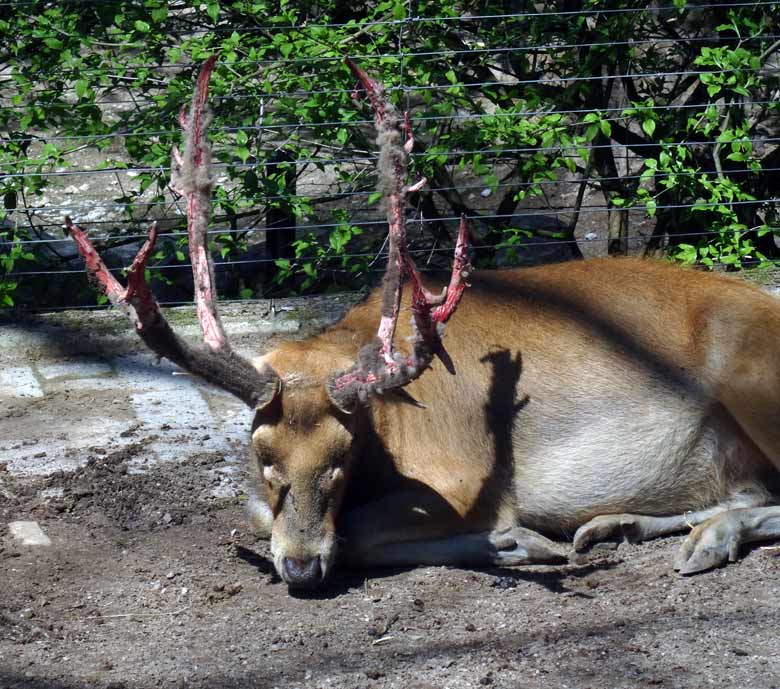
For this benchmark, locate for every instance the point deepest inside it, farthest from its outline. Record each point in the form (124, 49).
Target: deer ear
(345, 399)
(270, 392)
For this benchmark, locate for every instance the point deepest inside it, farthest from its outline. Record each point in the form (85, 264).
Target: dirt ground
(153, 581)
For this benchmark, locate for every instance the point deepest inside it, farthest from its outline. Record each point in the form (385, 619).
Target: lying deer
(603, 399)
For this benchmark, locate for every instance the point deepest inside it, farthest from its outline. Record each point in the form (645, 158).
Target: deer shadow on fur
(501, 413)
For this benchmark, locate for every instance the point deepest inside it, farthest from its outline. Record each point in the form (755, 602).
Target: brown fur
(582, 389)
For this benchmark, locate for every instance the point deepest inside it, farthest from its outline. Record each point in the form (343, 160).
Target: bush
(665, 109)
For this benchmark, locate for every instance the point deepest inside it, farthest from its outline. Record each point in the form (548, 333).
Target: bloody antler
(379, 365)
(217, 364)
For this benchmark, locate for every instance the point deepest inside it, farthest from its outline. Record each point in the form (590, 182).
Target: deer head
(312, 403)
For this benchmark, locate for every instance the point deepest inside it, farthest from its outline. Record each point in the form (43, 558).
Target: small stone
(28, 533)
(418, 604)
(233, 589)
(27, 614)
(470, 627)
(504, 583)
(170, 575)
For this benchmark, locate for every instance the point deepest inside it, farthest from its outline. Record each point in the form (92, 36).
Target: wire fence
(490, 152)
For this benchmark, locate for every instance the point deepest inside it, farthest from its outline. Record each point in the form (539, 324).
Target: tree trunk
(280, 221)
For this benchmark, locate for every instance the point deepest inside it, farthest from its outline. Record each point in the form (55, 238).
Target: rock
(504, 582)
(28, 533)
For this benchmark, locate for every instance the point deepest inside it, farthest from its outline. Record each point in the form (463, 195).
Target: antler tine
(191, 177)
(379, 366)
(218, 364)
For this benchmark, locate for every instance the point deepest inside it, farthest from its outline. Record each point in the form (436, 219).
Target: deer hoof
(520, 546)
(608, 527)
(710, 544)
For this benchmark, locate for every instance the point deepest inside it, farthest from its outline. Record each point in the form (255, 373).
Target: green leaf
(81, 87)
(141, 26)
(212, 9)
(648, 126)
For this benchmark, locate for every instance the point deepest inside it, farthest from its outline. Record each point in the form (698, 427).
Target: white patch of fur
(259, 515)
(263, 432)
(658, 455)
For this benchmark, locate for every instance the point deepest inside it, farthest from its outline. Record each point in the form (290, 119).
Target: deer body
(606, 387)
(601, 399)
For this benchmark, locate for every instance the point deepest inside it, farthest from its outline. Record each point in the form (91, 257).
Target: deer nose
(304, 574)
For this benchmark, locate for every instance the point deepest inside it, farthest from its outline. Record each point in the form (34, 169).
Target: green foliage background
(510, 96)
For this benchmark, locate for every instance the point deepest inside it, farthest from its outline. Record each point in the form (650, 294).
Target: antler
(217, 363)
(379, 365)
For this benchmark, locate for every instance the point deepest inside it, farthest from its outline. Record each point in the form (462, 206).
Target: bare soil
(152, 580)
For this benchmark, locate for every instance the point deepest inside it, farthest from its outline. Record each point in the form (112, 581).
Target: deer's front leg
(418, 527)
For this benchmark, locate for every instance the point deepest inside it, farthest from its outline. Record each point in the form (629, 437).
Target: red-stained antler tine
(190, 177)
(218, 365)
(379, 366)
(137, 299)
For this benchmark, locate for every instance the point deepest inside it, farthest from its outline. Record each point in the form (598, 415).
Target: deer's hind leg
(636, 528)
(717, 540)
(742, 368)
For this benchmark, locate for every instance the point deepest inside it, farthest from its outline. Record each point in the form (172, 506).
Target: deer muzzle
(302, 574)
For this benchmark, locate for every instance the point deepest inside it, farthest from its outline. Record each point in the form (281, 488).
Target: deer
(594, 400)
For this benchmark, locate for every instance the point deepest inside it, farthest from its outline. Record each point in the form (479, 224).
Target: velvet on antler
(379, 365)
(217, 363)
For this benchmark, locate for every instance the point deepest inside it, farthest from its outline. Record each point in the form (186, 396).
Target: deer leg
(420, 528)
(635, 528)
(717, 540)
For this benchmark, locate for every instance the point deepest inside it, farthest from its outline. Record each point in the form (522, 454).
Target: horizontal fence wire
(421, 20)
(413, 120)
(373, 158)
(518, 215)
(152, 78)
(468, 17)
(482, 217)
(408, 90)
(594, 181)
(376, 256)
